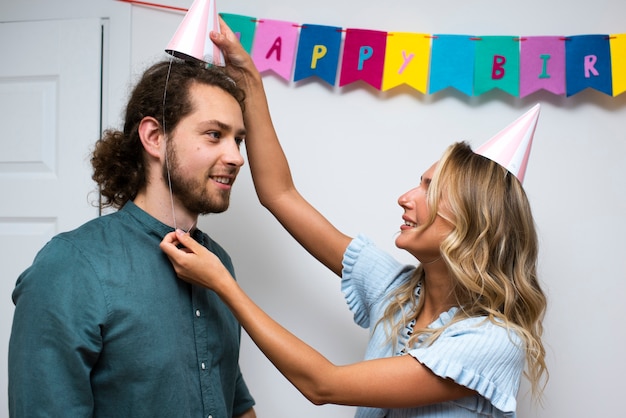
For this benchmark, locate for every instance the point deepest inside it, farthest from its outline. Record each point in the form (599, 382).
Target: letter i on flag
(363, 57)
(497, 64)
(542, 65)
(618, 63)
(588, 60)
(407, 60)
(274, 46)
(318, 53)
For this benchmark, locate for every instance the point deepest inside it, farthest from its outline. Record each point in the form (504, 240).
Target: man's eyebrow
(226, 127)
(220, 124)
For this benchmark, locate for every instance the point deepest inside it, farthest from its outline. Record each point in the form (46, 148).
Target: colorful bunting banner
(474, 65)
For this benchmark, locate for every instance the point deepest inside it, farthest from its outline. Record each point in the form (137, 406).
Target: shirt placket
(200, 326)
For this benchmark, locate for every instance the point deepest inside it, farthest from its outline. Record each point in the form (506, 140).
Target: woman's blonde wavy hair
(491, 253)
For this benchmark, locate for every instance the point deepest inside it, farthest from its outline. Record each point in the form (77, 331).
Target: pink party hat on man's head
(191, 40)
(511, 146)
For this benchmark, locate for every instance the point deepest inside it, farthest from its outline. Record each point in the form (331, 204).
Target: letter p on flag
(365, 53)
(319, 51)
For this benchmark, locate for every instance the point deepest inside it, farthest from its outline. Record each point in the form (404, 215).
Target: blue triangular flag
(588, 64)
(318, 53)
(452, 63)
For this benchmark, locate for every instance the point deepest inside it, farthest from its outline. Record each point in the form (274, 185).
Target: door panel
(50, 113)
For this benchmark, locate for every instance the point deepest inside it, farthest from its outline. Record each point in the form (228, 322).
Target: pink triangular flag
(191, 40)
(511, 146)
(275, 44)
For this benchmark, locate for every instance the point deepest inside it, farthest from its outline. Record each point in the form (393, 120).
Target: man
(102, 326)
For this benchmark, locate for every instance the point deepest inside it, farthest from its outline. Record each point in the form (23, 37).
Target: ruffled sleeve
(480, 355)
(368, 273)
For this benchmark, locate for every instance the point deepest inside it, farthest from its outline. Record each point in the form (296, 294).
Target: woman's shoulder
(481, 327)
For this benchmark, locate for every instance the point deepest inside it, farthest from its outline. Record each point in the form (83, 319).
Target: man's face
(203, 153)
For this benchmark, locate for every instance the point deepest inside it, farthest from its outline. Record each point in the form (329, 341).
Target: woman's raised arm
(270, 170)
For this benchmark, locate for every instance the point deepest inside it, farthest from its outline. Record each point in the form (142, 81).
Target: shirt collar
(153, 224)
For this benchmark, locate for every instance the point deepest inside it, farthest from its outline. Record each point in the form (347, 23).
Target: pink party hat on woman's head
(191, 40)
(511, 146)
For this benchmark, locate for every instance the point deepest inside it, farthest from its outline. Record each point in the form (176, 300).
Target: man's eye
(239, 141)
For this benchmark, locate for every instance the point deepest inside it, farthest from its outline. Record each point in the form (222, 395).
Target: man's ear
(151, 136)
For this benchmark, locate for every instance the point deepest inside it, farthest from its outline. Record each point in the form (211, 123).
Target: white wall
(354, 150)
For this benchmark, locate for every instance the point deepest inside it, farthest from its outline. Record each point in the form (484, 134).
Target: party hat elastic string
(166, 138)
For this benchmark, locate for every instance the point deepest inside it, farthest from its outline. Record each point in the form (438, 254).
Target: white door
(50, 81)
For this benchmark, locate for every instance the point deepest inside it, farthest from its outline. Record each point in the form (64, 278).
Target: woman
(450, 337)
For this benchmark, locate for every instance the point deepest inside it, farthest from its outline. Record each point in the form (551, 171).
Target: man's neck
(159, 204)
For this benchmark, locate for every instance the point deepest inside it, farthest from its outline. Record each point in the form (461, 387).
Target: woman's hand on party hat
(239, 64)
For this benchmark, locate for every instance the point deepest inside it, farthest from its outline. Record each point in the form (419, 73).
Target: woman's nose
(405, 199)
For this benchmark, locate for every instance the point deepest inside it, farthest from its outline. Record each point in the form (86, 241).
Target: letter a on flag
(275, 46)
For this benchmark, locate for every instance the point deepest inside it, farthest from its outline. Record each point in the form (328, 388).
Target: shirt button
(198, 313)
(203, 366)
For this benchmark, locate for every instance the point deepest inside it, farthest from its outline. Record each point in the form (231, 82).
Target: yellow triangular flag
(618, 62)
(407, 60)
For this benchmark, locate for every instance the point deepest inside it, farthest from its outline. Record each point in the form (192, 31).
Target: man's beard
(191, 192)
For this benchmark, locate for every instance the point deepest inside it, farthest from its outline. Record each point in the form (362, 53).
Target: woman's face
(423, 244)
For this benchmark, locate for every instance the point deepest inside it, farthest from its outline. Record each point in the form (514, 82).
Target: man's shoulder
(88, 235)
